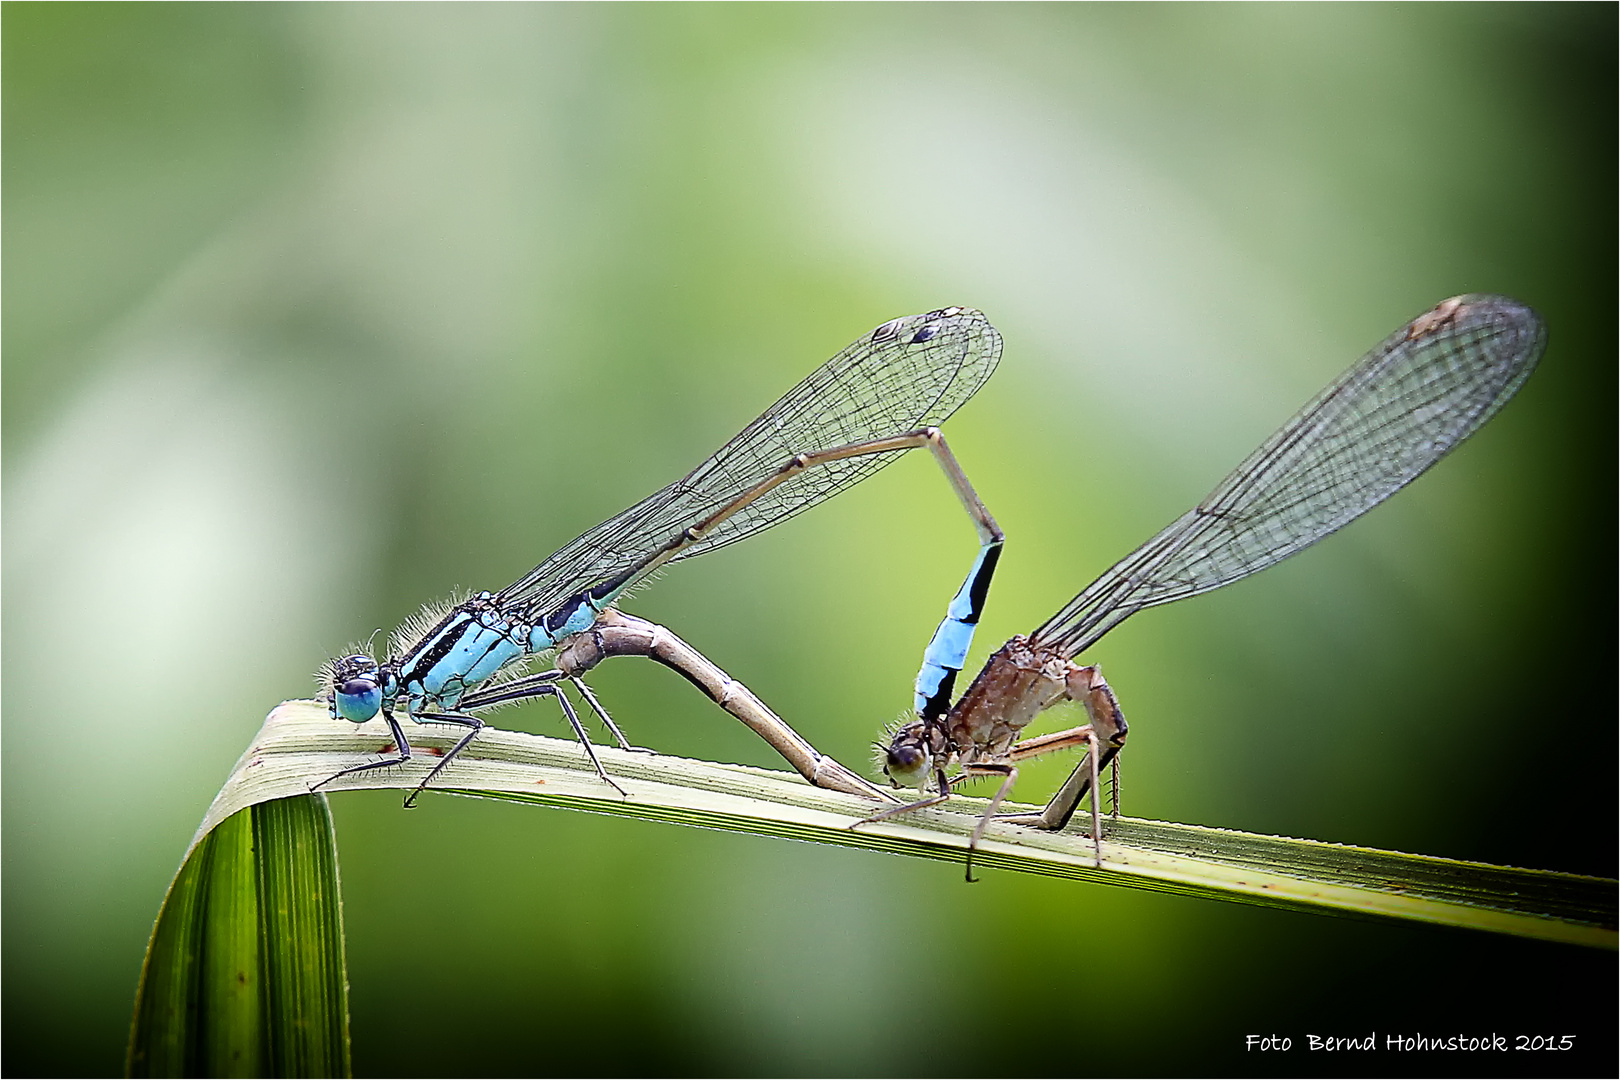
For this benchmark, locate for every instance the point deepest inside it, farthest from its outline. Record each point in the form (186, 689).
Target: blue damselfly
(877, 398)
(1400, 409)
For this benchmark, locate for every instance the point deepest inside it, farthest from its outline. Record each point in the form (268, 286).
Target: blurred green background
(314, 313)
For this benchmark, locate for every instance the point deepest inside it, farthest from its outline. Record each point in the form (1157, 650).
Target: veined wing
(1399, 410)
(909, 373)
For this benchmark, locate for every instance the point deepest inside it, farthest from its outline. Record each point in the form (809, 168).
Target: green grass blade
(300, 744)
(244, 975)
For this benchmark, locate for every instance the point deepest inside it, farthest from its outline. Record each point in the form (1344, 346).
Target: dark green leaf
(244, 975)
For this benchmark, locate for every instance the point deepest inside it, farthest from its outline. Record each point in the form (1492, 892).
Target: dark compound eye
(923, 335)
(904, 758)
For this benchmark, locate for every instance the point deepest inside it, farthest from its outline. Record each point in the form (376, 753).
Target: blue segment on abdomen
(947, 651)
(575, 618)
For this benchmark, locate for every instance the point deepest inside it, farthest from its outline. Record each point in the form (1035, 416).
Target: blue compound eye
(358, 699)
(924, 334)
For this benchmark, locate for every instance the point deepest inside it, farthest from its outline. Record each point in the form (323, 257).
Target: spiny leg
(585, 740)
(518, 689)
(943, 785)
(1105, 738)
(400, 745)
(1057, 812)
(474, 726)
(1096, 802)
(1092, 751)
(1010, 776)
(540, 685)
(602, 714)
(1085, 735)
(1113, 786)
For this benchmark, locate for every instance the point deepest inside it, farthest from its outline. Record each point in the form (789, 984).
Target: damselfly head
(354, 687)
(906, 759)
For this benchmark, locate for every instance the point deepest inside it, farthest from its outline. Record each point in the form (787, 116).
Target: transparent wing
(908, 373)
(1400, 409)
